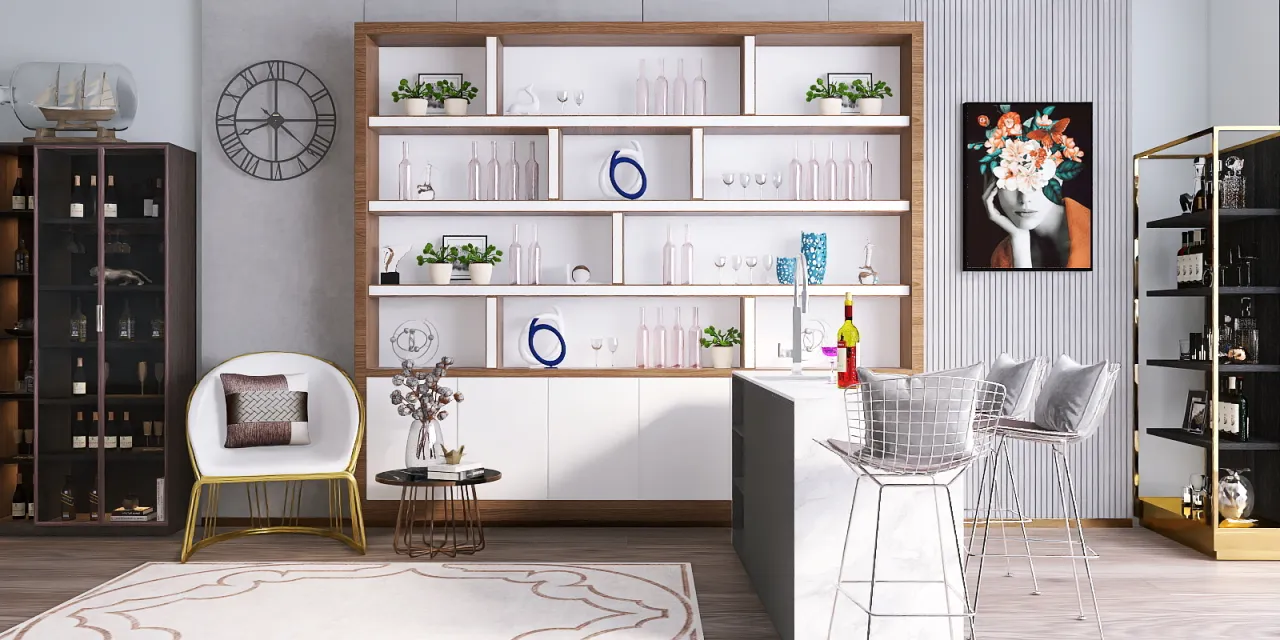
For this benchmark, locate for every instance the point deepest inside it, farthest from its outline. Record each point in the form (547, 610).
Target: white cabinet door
(386, 433)
(503, 423)
(593, 427)
(685, 439)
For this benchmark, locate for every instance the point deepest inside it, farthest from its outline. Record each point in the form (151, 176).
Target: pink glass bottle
(642, 343)
(660, 343)
(678, 349)
(694, 344)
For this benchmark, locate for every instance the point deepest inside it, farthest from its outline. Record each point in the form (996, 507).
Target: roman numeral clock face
(276, 120)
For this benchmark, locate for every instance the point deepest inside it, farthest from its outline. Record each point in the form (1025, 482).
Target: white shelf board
(606, 207)
(650, 125)
(632, 290)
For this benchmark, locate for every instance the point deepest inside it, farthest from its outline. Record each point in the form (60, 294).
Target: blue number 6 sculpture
(608, 173)
(534, 328)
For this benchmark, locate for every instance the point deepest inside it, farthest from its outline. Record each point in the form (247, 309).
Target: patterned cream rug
(451, 600)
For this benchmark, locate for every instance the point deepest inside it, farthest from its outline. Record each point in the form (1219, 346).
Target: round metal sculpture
(276, 120)
(416, 341)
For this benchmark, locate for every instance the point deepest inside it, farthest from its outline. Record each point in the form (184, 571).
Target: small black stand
(392, 277)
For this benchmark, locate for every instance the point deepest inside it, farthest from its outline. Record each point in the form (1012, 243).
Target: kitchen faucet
(799, 307)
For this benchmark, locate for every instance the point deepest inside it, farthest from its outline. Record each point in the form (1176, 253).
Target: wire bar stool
(920, 433)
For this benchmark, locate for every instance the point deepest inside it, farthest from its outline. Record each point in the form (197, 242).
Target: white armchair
(335, 414)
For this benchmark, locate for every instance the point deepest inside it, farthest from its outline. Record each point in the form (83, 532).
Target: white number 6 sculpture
(633, 188)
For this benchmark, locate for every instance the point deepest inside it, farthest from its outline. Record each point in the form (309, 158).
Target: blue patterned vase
(786, 270)
(814, 248)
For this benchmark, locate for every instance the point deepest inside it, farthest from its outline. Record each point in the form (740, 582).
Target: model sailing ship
(83, 104)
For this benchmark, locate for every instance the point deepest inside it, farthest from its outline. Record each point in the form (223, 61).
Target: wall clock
(276, 120)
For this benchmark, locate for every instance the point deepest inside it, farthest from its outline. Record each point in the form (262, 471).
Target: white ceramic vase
(440, 272)
(455, 107)
(481, 272)
(721, 357)
(829, 106)
(870, 106)
(415, 106)
(432, 449)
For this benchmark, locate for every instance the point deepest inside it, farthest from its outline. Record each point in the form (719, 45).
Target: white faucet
(799, 307)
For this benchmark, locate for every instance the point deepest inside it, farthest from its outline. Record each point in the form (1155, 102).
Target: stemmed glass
(777, 185)
(142, 377)
(728, 182)
(761, 178)
(768, 266)
(745, 178)
(720, 263)
(613, 349)
(596, 343)
(752, 261)
(737, 264)
(578, 98)
(159, 376)
(563, 97)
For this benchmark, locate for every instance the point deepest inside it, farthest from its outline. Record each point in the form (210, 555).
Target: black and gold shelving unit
(1257, 225)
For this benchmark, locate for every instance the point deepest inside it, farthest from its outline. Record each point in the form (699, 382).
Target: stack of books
(464, 471)
(139, 514)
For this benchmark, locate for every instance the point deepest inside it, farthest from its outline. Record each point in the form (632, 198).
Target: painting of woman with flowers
(1028, 186)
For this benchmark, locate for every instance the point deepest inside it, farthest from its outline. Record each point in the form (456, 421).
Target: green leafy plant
(861, 89)
(472, 254)
(726, 338)
(433, 255)
(820, 89)
(444, 89)
(420, 91)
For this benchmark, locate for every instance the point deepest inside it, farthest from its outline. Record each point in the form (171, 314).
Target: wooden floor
(1148, 587)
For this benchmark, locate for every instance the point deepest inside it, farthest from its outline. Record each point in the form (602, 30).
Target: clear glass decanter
(660, 343)
(699, 93)
(405, 174)
(491, 173)
(669, 260)
(425, 191)
(515, 258)
(795, 171)
(830, 173)
(659, 105)
(686, 259)
(678, 350)
(811, 185)
(642, 92)
(850, 171)
(695, 345)
(864, 173)
(512, 182)
(532, 174)
(642, 343)
(473, 174)
(679, 91)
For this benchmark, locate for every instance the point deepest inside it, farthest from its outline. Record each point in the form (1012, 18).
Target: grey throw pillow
(1021, 382)
(917, 422)
(1073, 394)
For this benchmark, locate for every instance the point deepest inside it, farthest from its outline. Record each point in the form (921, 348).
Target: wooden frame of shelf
(749, 38)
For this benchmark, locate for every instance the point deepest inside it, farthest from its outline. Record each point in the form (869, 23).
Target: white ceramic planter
(481, 272)
(721, 357)
(439, 272)
(870, 106)
(415, 106)
(829, 106)
(455, 107)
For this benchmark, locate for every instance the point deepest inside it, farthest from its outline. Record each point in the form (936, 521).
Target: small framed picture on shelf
(847, 105)
(436, 107)
(460, 273)
(1197, 413)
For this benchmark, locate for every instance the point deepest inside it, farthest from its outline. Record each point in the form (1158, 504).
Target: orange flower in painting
(1054, 135)
(1057, 157)
(1010, 123)
(1071, 151)
(995, 143)
(1038, 156)
(983, 120)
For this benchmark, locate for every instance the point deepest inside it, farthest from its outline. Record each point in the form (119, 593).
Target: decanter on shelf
(515, 258)
(694, 342)
(679, 91)
(795, 172)
(830, 174)
(850, 171)
(669, 260)
(686, 259)
(642, 343)
(473, 174)
(659, 104)
(512, 183)
(532, 174)
(404, 175)
(678, 350)
(699, 95)
(660, 343)
(811, 184)
(864, 173)
(867, 274)
(492, 172)
(642, 92)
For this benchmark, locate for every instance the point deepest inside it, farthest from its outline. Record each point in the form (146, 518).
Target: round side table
(457, 511)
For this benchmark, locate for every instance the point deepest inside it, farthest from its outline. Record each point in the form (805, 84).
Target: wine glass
(728, 182)
(768, 266)
(142, 377)
(777, 185)
(596, 343)
(745, 179)
(752, 261)
(563, 97)
(159, 368)
(737, 264)
(578, 98)
(720, 263)
(613, 349)
(761, 178)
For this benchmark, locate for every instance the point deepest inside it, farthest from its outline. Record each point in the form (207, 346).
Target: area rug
(463, 601)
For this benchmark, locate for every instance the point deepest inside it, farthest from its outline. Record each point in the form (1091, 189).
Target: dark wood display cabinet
(104, 322)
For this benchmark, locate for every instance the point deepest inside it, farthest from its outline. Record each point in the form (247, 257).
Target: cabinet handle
(99, 313)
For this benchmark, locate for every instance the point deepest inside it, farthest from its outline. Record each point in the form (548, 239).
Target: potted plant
(455, 97)
(721, 344)
(830, 96)
(415, 97)
(870, 98)
(480, 262)
(439, 262)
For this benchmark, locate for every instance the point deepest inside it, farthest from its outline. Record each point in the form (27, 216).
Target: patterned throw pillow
(264, 411)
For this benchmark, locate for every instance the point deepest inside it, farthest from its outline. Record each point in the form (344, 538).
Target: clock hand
(248, 131)
(295, 138)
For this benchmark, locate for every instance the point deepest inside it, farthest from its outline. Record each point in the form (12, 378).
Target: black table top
(417, 477)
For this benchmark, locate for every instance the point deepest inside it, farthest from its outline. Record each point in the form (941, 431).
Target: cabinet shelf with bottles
(111, 341)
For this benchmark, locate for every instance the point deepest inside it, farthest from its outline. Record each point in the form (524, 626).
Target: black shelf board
(1204, 365)
(114, 398)
(90, 288)
(18, 460)
(6, 336)
(71, 222)
(15, 275)
(1204, 440)
(22, 214)
(112, 345)
(134, 222)
(1204, 219)
(92, 454)
(14, 395)
(1205, 292)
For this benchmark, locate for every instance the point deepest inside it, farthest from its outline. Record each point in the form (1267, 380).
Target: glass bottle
(659, 104)
(492, 172)
(79, 325)
(811, 169)
(405, 174)
(850, 171)
(830, 174)
(29, 377)
(679, 91)
(864, 173)
(669, 260)
(532, 175)
(642, 343)
(642, 92)
(21, 257)
(659, 343)
(678, 350)
(535, 259)
(796, 172)
(124, 327)
(425, 190)
(512, 184)
(473, 174)
(79, 383)
(694, 344)
(847, 339)
(515, 258)
(68, 499)
(157, 323)
(699, 93)
(686, 259)
(93, 504)
(110, 204)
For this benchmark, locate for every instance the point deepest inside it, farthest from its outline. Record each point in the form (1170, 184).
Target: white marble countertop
(809, 386)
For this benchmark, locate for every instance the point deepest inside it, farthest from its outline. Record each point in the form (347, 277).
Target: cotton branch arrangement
(424, 398)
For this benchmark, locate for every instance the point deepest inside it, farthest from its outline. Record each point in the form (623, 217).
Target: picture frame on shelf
(847, 105)
(436, 107)
(1196, 415)
(460, 272)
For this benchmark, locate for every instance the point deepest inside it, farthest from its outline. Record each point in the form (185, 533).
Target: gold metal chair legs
(261, 520)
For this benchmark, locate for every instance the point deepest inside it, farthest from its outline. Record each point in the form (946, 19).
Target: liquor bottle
(659, 105)
(811, 174)
(1242, 409)
(68, 499)
(532, 174)
(91, 203)
(492, 173)
(79, 384)
(79, 199)
(795, 173)
(93, 504)
(29, 377)
(512, 182)
(31, 502)
(21, 257)
(694, 342)
(669, 260)
(1246, 331)
(125, 326)
(1180, 264)
(678, 349)
(679, 91)
(125, 433)
(19, 509)
(79, 432)
(110, 437)
(474, 191)
(157, 322)
(642, 343)
(1206, 261)
(660, 343)
(110, 206)
(642, 92)
(699, 97)
(79, 325)
(515, 258)
(686, 259)
(847, 339)
(91, 433)
(19, 193)
(1190, 261)
(830, 174)
(535, 259)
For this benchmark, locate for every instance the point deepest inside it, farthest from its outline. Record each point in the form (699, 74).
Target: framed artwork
(436, 107)
(1028, 186)
(1196, 415)
(460, 273)
(847, 105)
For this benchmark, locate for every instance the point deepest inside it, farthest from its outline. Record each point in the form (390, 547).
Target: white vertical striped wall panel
(1028, 51)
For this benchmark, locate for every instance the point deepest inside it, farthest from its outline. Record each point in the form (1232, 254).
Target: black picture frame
(460, 272)
(1195, 417)
(436, 107)
(847, 105)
